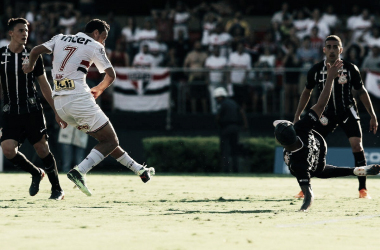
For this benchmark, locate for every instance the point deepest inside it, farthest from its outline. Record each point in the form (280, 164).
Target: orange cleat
(363, 193)
(301, 195)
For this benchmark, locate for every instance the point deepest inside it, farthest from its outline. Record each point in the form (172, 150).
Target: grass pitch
(188, 212)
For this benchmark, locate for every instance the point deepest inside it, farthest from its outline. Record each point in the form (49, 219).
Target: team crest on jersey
(6, 108)
(342, 79)
(32, 100)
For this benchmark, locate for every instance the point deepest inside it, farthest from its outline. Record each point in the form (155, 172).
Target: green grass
(188, 212)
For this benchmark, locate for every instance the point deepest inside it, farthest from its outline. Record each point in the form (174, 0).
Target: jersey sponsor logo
(58, 76)
(25, 54)
(64, 84)
(313, 117)
(303, 180)
(75, 39)
(6, 54)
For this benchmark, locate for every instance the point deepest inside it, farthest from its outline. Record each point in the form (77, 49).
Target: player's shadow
(221, 212)
(221, 199)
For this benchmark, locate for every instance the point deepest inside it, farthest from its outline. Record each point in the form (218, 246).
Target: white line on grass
(327, 221)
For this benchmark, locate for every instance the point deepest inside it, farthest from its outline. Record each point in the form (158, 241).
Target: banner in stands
(372, 83)
(341, 157)
(141, 90)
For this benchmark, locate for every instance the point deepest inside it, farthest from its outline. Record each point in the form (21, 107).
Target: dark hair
(14, 21)
(285, 133)
(334, 38)
(96, 24)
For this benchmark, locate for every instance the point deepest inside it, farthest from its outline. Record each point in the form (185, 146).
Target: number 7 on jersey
(71, 50)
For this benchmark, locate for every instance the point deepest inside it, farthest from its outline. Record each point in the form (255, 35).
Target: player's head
(284, 132)
(98, 30)
(220, 93)
(18, 30)
(333, 48)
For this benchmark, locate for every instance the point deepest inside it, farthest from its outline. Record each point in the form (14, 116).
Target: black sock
(332, 171)
(52, 171)
(20, 161)
(359, 162)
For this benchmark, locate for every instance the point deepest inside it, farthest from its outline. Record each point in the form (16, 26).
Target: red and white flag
(372, 83)
(141, 90)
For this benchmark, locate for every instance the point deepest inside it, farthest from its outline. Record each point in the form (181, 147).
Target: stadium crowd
(222, 51)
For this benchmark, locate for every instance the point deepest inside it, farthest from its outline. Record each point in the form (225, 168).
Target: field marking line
(326, 221)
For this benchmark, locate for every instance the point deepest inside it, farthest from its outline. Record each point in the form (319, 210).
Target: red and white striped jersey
(73, 55)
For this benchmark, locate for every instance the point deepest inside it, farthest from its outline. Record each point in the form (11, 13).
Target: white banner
(141, 90)
(372, 83)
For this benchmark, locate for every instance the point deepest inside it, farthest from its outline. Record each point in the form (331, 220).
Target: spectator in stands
(279, 15)
(372, 38)
(129, 33)
(222, 7)
(276, 33)
(143, 59)
(323, 27)
(68, 20)
(291, 62)
(353, 55)
(354, 16)
(293, 38)
(209, 23)
(216, 65)
(252, 47)
(301, 23)
(195, 60)
(118, 57)
(266, 59)
(330, 17)
(362, 24)
(4, 39)
(239, 64)
(221, 39)
(8, 14)
(181, 19)
(238, 26)
(31, 15)
(182, 47)
(164, 24)
(372, 61)
(114, 34)
(147, 34)
(316, 42)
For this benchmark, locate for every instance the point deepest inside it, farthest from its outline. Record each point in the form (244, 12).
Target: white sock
(92, 159)
(127, 161)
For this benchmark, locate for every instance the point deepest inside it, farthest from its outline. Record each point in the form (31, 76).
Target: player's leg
(123, 158)
(351, 126)
(332, 171)
(13, 134)
(37, 136)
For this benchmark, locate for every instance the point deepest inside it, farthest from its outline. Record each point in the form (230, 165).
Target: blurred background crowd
(216, 43)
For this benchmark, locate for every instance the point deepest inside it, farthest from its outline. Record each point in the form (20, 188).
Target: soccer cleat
(79, 180)
(36, 179)
(367, 170)
(57, 195)
(363, 193)
(145, 173)
(299, 195)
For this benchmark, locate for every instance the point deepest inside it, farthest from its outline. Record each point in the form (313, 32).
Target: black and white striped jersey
(19, 90)
(341, 98)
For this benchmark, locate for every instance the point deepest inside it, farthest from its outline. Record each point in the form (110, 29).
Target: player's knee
(42, 149)
(357, 147)
(9, 152)
(112, 142)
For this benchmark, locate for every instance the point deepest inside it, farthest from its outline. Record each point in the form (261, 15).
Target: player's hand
(27, 68)
(60, 122)
(333, 69)
(96, 91)
(373, 125)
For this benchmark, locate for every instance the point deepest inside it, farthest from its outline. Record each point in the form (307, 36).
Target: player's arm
(309, 197)
(332, 73)
(366, 100)
(47, 93)
(34, 54)
(109, 78)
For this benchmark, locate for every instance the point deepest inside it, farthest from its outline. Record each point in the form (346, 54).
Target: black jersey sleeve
(39, 69)
(307, 122)
(356, 78)
(311, 78)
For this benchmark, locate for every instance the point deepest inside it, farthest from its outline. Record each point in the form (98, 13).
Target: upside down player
(305, 149)
(75, 101)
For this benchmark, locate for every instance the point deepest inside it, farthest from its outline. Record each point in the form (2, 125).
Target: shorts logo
(84, 127)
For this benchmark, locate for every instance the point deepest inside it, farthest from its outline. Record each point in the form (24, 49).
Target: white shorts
(81, 112)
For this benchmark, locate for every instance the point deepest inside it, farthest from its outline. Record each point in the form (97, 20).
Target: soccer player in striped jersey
(22, 112)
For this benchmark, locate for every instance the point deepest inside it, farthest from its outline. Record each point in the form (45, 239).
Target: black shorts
(26, 126)
(349, 121)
